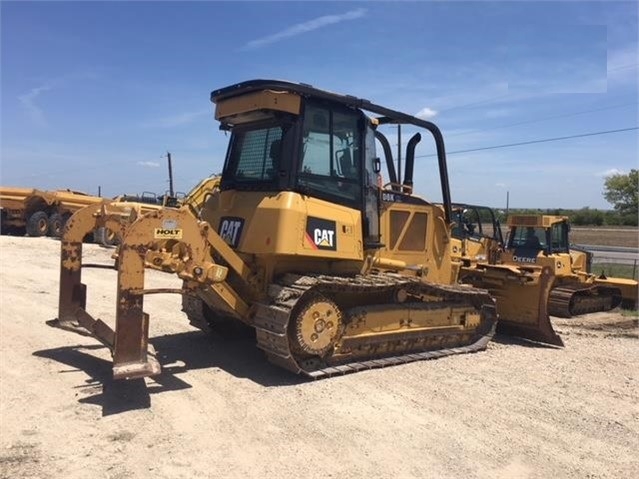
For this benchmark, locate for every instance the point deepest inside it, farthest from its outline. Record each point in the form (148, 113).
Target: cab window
(528, 238)
(559, 238)
(330, 160)
(254, 156)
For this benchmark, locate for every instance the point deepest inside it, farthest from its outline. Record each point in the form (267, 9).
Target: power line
(545, 140)
(623, 105)
(525, 122)
(486, 101)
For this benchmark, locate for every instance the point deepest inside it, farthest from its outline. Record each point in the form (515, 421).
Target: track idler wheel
(315, 328)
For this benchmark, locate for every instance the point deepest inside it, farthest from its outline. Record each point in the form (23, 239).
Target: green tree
(622, 191)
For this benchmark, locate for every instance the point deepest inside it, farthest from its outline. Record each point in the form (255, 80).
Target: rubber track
(271, 320)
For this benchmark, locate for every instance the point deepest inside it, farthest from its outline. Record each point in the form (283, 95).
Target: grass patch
(605, 236)
(615, 270)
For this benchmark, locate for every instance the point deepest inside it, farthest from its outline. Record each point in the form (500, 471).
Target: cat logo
(321, 234)
(324, 238)
(231, 230)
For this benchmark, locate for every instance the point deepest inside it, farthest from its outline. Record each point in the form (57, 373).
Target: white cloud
(149, 164)
(28, 100)
(610, 172)
(426, 113)
(501, 185)
(305, 27)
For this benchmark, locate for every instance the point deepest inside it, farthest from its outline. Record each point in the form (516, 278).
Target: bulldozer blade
(521, 296)
(524, 312)
(628, 288)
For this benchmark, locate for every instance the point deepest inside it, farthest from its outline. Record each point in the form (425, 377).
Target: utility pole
(399, 154)
(171, 192)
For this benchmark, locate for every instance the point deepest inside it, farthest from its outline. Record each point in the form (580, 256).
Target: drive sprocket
(316, 328)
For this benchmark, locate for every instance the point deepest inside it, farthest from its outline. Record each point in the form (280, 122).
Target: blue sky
(96, 93)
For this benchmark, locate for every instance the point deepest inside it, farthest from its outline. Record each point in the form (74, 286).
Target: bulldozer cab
(298, 155)
(476, 234)
(317, 153)
(532, 236)
(549, 234)
(545, 240)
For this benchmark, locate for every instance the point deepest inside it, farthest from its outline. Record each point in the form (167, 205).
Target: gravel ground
(516, 410)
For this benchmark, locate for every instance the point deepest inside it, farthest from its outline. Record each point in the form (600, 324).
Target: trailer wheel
(4, 229)
(56, 225)
(38, 224)
(105, 237)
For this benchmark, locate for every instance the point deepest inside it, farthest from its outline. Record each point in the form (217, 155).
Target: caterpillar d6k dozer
(544, 240)
(335, 272)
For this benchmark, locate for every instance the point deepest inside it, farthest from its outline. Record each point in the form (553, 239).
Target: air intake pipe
(410, 159)
(389, 157)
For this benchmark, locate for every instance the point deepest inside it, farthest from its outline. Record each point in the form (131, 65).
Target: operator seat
(532, 242)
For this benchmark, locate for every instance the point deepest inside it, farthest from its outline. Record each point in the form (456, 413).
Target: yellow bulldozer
(196, 198)
(335, 271)
(544, 240)
(476, 234)
(129, 207)
(541, 240)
